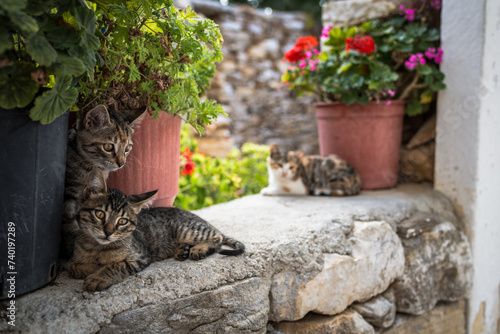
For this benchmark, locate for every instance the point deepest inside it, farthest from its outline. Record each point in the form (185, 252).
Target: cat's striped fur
(120, 237)
(293, 173)
(102, 139)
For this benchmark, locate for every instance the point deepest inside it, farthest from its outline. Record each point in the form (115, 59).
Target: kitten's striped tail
(239, 247)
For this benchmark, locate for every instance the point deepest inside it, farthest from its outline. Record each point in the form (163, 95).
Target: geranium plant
(393, 59)
(45, 43)
(155, 57)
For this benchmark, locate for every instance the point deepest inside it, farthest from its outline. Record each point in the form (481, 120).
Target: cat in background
(293, 173)
(120, 236)
(102, 139)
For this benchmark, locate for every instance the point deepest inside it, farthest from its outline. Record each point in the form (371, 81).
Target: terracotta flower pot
(368, 136)
(153, 162)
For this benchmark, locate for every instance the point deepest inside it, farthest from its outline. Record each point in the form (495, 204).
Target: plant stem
(409, 88)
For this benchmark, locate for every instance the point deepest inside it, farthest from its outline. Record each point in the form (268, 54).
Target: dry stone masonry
(363, 264)
(248, 81)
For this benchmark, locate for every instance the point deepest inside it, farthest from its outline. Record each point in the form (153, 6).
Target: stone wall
(373, 263)
(248, 81)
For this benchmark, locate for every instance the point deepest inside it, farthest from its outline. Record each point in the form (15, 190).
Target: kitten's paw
(95, 283)
(199, 252)
(268, 191)
(182, 252)
(82, 270)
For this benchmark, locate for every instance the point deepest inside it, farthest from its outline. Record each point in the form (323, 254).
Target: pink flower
(326, 31)
(415, 60)
(410, 14)
(437, 55)
(388, 103)
(316, 52)
(313, 64)
(308, 54)
(391, 92)
(302, 64)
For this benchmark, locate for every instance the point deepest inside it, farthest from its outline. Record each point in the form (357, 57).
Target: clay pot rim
(381, 103)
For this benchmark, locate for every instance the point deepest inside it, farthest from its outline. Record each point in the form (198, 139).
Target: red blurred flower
(294, 54)
(306, 42)
(299, 50)
(364, 44)
(187, 166)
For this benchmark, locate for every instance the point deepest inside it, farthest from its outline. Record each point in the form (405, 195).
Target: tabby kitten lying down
(119, 237)
(296, 174)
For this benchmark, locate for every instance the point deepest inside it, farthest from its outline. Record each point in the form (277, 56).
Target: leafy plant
(156, 57)
(45, 44)
(395, 59)
(208, 181)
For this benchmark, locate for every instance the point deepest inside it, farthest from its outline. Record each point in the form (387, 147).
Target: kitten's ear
(135, 116)
(96, 185)
(142, 201)
(274, 152)
(274, 149)
(300, 154)
(96, 118)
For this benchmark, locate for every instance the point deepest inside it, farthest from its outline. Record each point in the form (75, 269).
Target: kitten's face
(284, 165)
(108, 217)
(106, 137)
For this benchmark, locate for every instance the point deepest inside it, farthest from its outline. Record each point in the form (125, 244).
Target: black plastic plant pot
(32, 167)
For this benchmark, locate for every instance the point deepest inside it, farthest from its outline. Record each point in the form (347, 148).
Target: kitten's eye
(128, 148)
(122, 221)
(99, 214)
(108, 147)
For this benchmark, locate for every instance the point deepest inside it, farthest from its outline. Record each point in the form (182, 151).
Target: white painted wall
(468, 143)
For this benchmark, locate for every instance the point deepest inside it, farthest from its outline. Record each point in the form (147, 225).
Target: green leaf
(134, 72)
(41, 50)
(24, 22)
(67, 66)
(87, 20)
(426, 96)
(424, 69)
(17, 89)
(13, 5)
(414, 108)
(5, 43)
(55, 102)
(62, 37)
(437, 86)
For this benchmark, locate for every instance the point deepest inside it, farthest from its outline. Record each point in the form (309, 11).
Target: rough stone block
(240, 307)
(376, 260)
(438, 265)
(380, 311)
(345, 13)
(444, 319)
(348, 322)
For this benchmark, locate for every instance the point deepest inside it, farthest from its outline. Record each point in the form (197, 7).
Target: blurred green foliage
(217, 180)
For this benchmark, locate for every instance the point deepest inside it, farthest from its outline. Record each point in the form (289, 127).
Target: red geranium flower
(298, 52)
(294, 54)
(306, 42)
(187, 167)
(364, 44)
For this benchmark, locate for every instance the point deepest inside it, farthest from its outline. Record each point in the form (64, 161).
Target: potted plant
(158, 58)
(367, 77)
(45, 49)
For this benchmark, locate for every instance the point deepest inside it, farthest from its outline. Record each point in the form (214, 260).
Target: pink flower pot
(153, 162)
(368, 136)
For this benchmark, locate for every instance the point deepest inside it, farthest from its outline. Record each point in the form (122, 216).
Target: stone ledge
(303, 254)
